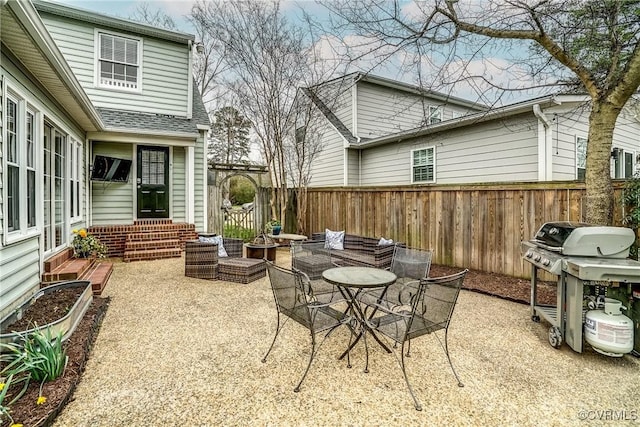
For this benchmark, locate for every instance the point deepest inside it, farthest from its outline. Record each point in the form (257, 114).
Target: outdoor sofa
(312, 257)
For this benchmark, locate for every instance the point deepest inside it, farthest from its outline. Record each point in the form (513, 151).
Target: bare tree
(152, 16)
(267, 60)
(590, 46)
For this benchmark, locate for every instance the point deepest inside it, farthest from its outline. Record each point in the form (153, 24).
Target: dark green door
(153, 182)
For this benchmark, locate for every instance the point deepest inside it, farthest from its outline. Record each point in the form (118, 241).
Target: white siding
(382, 110)
(353, 165)
(20, 260)
(497, 151)
(337, 97)
(328, 168)
(574, 123)
(19, 273)
(165, 71)
(113, 202)
(178, 192)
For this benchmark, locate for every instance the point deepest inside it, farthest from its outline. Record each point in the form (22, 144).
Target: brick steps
(149, 254)
(58, 269)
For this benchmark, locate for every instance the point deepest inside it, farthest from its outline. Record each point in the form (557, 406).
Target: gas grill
(592, 265)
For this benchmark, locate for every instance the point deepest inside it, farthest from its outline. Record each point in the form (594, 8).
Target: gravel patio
(179, 351)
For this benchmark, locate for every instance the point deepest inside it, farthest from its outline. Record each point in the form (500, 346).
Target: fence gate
(220, 216)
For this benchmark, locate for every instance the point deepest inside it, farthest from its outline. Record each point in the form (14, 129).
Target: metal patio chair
(410, 265)
(429, 310)
(295, 300)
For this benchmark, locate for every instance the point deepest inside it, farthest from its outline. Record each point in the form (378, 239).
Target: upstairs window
(435, 115)
(118, 62)
(423, 165)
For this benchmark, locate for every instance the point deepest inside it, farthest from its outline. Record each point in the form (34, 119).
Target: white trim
(96, 61)
(575, 157)
(182, 139)
(170, 183)
(190, 82)
(354, 109)
(545, 145)
(205, 186)
(190, 182)
(411, 152)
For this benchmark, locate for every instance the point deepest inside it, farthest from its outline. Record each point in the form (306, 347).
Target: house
(102, 127)
(380, 132)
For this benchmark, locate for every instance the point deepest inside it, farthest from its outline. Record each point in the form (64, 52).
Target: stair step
(71, 269)
(98, 276)
(57, 260)
(153, 235)
(151, 254)
(151, 244)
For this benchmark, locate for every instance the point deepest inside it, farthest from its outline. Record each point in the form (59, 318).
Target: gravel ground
(179, 351)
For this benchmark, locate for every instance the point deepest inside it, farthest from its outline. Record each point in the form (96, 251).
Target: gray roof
(329, 115)
(158, 123)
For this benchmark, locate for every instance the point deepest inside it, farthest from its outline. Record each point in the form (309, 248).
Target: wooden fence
(475, 226)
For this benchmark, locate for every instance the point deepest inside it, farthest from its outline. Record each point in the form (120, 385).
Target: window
(31, 170)
(435, 115)
(581, 158)
(75, 173)
(628, 165)
(118, 62)
(423, 165)
(21, 166)
(13, 167)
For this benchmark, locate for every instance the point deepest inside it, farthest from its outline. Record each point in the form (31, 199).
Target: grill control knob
(537, 258)
(529, 253)
(546, 262)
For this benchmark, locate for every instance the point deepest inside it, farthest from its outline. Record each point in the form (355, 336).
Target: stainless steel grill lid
(585, 240)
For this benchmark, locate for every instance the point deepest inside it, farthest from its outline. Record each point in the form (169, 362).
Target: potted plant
(275, 226)
(86, 245)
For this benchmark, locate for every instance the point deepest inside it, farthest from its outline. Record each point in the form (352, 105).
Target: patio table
(351, 281)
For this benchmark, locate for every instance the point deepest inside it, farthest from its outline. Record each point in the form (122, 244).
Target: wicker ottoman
(312, 265)
(201, 260)
(241, 270)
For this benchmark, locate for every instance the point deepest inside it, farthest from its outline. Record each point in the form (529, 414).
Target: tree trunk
(599, 200)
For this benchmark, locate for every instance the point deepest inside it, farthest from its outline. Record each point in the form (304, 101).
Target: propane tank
(608, 330)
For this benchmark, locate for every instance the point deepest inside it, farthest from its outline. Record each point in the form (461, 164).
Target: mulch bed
(58, 392)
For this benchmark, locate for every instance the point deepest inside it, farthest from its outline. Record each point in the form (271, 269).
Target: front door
(153, 182)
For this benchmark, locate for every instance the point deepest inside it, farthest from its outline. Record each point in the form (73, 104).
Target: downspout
(190, 82)
(545, 141)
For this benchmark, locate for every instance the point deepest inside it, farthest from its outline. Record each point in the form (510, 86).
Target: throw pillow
(334, 239)
(385, 242)
(222, 252)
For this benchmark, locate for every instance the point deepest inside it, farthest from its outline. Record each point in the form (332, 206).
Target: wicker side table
(241, 270)
(201, 260)
(312, 265)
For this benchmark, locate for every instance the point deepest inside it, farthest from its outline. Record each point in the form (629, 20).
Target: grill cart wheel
(555, 338)
(535, 318)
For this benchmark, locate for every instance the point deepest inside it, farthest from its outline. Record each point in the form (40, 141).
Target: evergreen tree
(229, 141)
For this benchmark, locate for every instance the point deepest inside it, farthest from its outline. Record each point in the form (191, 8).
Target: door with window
(153, 182)
(54, 200)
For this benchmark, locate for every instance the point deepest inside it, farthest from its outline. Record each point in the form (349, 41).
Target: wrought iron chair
(428, 310)
(295, 300)
(410, 265)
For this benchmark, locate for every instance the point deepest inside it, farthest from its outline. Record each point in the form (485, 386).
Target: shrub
(241, 190)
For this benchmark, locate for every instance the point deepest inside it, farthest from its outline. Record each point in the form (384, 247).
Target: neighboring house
(380, 132)
(102, 127)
